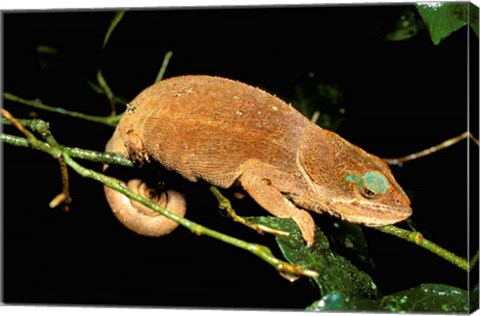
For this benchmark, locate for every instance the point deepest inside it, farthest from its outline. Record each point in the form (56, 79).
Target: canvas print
(308, 158)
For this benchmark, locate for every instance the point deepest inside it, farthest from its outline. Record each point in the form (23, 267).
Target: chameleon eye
(367, 193)
(372, 185)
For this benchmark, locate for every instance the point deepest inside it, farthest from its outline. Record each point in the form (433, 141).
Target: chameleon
(233, 135)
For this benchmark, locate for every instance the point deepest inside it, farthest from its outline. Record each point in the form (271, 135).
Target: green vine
(108, 158)
(56, 150)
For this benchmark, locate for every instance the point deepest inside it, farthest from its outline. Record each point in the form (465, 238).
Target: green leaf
(436, 298)
(473, 17)
(345, 288)
(351, 239)
(335, 272)
(443, 18)
(338, 301)
(428, 298)
(406, 26)
(474, 299)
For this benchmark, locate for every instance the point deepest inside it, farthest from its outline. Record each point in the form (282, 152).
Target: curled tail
(136, 216)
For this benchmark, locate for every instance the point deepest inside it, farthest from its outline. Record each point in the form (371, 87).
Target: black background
(400, 97)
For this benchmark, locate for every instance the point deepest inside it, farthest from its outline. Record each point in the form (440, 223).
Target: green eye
(372, 184)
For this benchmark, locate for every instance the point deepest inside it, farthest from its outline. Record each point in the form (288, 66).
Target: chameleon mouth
(368, 214)
(386, 217)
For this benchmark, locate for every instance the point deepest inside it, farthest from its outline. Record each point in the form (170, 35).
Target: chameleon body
(228, 133)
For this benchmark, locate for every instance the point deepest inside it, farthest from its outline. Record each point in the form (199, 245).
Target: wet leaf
(443, 18)
(338, 301)
(473, 17)
(406, 26)
(345, 288)
(350, 241)
(336, 272)
(436, 298)
(428, 298)
(474, 299)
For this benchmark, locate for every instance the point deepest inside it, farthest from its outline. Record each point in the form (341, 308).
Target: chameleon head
(374, 199)
(350, 183)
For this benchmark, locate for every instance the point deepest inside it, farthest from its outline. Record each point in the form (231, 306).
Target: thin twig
(9, 117)
(225, 205)
(95, 87)
(64, 197)
(30, 140)
(474, 260)
(85, 154)
(419, 240)
(106, 120)
(163, 69)
(116, 19)
(108, 92)
(431, 150)
(42, 128)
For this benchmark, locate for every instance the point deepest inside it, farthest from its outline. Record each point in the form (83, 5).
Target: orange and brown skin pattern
(228, 133)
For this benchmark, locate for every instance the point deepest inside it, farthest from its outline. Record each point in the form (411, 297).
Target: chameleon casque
(231, 134)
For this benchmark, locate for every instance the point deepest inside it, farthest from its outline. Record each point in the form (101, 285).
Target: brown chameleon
(231, 134)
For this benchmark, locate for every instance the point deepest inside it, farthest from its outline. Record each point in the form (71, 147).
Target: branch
(224, 204)
(108, 158)
(449, 142)
(413, 237)
(97, 89)
(417, 239)
(108, 92)
(113, 24)
(85, 154)
(259, 250)
(163, 68)
(106, 120)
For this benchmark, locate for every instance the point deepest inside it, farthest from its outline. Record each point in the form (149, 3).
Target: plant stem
(108, 92)
(417, 238)
(413, 237)
(56, 150)
(225, 205)
(95, 87)
(113, 24)
(106, 120)
(258, 250)
(474, 260)
(449, 142)
(166, 60)
(85, 154)
(64, 196)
